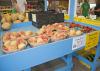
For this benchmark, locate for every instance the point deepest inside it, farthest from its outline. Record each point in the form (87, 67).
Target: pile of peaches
(15, 41)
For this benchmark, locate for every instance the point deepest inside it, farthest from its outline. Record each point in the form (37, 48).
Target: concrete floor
(52, 65)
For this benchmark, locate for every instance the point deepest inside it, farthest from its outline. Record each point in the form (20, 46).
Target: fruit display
(14, 41)
(55, 31)
(38, 40)
(8, 19)
(13, 17)
(6, 26)
(14, 35)
(14, 45)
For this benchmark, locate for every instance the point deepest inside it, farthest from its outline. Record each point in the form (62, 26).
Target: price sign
(78, 42)
(92, 40)
(34, 17)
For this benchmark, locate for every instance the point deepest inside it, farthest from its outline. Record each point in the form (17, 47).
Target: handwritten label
(78, 42)
(92, 40)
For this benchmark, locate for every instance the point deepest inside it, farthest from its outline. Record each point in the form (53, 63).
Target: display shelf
(30, 57)
(19, 61)
(95, 63)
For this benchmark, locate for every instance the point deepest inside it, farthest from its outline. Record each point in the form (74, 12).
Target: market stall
(19, 61)
(23, 45)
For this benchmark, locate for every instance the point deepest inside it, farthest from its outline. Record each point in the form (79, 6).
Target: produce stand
(30, 57)
(18, 60)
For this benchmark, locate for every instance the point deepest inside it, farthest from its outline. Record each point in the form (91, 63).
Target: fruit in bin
(72, 25)
(21, 46)
(6, 37)
(87, 29)
(67, 28)
(10, 36)
(29, 33)
(43, 38)
(6, 26)
(59, 35)
(78, 25)
(14, 35)
(49, 33)
(7, 43)
(13, 43)
(38, 40)
(42, 30)
(22, 34)
(32, 41)
(5, 49)
(26, 34)
(78, 32)
(10, 46)
(60, 26)
(9, 49)
(21, 43)
(72, 32)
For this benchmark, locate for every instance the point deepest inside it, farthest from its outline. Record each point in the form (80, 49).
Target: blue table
(30, 57)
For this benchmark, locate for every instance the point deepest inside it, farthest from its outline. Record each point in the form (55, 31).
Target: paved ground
(52, 65)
